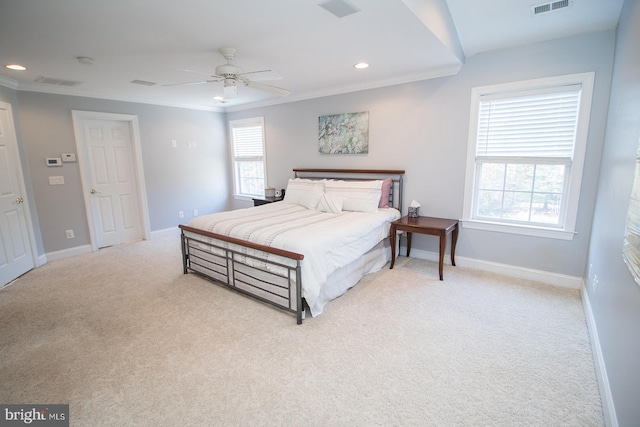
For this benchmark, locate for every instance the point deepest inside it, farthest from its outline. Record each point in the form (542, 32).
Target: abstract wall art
(344, 133)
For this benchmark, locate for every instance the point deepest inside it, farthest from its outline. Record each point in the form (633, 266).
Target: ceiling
(310, 49)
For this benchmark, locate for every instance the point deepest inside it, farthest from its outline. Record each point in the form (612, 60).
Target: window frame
(248, 122)
(566, 229)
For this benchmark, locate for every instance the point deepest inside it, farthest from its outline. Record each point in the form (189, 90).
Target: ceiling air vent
(550, 6)
(57, 82)
(339, 8)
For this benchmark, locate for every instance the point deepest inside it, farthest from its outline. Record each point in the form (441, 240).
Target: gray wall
(422, 127)
(616, 303)
(179, 179)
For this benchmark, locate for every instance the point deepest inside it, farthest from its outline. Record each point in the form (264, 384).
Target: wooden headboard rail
(348, 171)
(395, 174)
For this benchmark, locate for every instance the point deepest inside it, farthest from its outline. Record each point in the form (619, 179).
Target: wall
(615, 304)
(422, 127)
(179, 179)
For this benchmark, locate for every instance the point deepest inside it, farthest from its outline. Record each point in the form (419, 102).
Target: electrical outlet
(195, 212)
(180, 214)
(69, 234)
(174, 143)
(596, 282)
(56, 180)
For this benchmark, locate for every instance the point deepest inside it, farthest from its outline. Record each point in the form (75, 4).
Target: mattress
(328, 241)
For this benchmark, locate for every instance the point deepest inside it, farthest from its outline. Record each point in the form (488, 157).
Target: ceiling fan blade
(194, 71)
(267, 88)
(192, 83)
(261, 75)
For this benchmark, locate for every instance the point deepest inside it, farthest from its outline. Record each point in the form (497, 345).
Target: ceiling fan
(231, 75)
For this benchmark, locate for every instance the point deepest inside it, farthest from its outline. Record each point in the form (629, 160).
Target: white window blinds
(538, 124)
(248, 146)
(247, 142)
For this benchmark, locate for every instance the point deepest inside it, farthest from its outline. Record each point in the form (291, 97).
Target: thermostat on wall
(54, 161)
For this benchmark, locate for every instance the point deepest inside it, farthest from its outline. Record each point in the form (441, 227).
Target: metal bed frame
(268, 274)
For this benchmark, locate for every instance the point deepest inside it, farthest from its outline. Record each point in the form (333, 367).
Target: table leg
(392, 241)
(454, 240)
(443, 246)
(408, 243)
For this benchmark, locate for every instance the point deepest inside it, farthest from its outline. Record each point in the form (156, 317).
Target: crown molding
(71, 92)
(444, 71)
(7, 82)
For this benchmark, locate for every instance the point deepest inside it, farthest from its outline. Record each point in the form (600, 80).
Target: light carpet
(124, 338)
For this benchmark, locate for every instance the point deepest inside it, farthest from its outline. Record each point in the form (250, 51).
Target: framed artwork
(631, 245)
(344, 133)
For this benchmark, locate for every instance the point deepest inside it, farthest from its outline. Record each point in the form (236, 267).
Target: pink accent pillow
(386, 191)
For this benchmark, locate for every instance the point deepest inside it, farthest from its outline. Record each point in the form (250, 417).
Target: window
(249, 164)
(526, 151)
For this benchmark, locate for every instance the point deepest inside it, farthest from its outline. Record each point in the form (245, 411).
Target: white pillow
(332, 204)
(361, 196)
(305, 192)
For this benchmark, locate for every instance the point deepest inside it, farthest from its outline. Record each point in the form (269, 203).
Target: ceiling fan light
(230, 91)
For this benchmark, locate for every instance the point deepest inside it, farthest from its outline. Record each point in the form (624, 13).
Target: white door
(16, 256)
(113, 193)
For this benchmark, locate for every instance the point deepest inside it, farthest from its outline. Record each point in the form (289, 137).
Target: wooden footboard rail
(245, 267)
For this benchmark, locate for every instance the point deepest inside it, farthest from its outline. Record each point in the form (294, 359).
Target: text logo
(34, 415)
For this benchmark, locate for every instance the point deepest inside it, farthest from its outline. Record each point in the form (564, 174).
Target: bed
(331, 229)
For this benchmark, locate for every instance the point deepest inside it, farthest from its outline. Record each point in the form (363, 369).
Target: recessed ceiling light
(85, 60)
(16, 67)
(361, 65)
(218, 98)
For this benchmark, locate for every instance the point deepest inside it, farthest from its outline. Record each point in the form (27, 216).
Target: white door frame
(83, 160)
(37, 261)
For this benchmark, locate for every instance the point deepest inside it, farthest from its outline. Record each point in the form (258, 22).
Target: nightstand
(426, 225)
(257, 201)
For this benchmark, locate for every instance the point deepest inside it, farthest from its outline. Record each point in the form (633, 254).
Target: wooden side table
(258, 201)
(426, 225)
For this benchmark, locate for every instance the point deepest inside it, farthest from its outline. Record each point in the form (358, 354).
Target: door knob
(19, 200)
(94, 191)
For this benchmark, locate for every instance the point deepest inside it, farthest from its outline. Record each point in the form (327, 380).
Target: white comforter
(328, 241)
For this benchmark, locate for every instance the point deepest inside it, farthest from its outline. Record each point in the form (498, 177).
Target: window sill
(244, 197)
(519, 229)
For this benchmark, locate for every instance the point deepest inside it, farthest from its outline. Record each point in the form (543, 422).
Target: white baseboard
(85, 249)
(608, 407)
(167, 232)
(66, 253)
(42, 260)
(556, 279)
